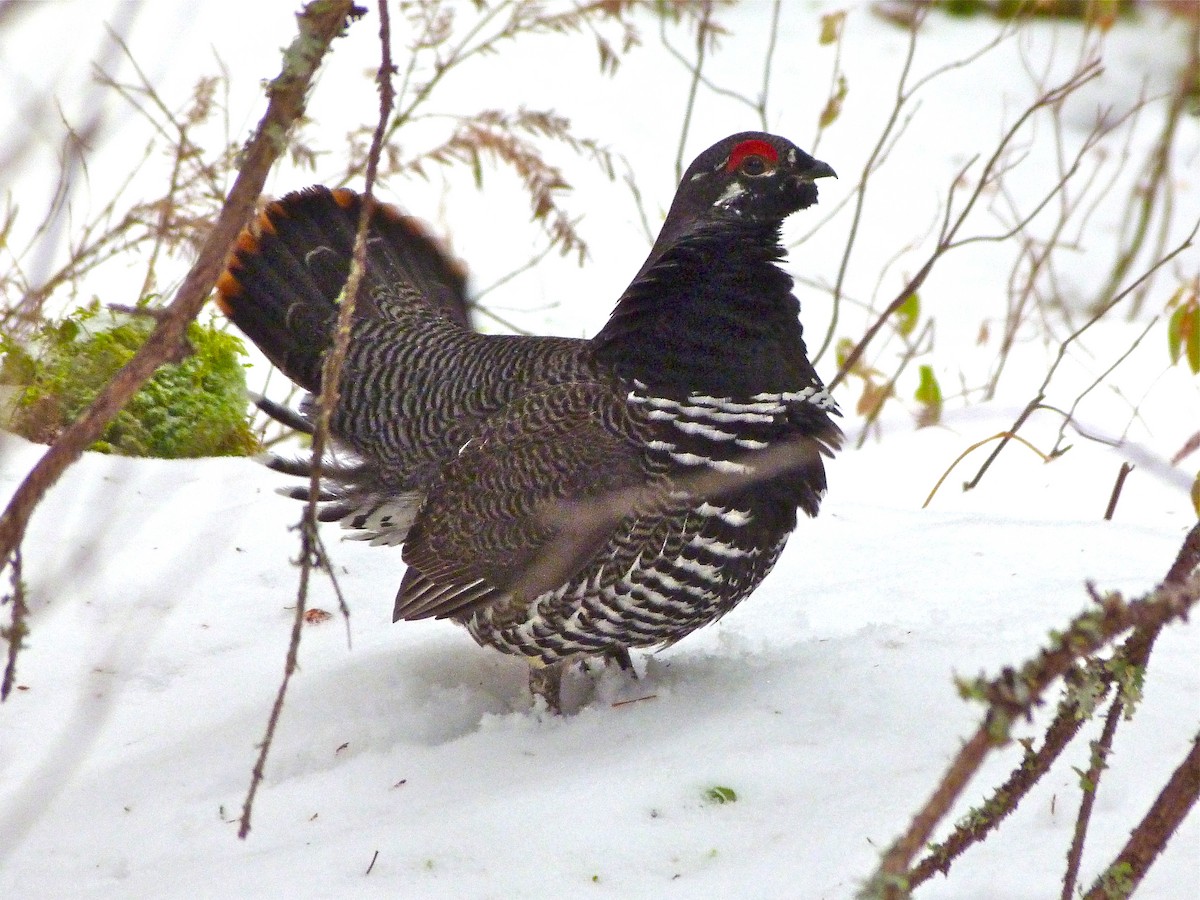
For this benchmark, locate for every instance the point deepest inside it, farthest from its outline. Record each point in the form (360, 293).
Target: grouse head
(710, 307)
(751, 177)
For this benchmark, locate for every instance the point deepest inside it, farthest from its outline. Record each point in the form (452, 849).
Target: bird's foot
(566, 694)
(545, 681)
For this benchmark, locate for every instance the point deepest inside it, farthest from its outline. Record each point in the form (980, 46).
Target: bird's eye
(754, 166)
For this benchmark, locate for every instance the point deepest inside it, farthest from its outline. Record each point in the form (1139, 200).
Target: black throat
(709, 313)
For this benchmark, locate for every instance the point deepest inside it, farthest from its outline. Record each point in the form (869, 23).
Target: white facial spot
(732, 191)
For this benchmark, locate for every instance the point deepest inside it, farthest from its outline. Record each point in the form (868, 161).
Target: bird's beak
(818, 170)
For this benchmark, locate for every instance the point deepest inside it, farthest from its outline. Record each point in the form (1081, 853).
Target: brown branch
(1190, 446)
(1013, 694)
(1179, 795)
(952, 223)
(17, 629)
(319, 23)
(1036, 401)
(1187, 560)
(1005, 798)
(1090, 782)
(1133, 655)
(312, 550)
(1148, 839)
(903, 95)
(1122, 474)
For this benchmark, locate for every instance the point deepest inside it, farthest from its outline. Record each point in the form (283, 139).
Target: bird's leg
(545, 681)
(620, 655)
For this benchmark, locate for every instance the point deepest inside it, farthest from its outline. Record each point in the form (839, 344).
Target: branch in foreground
(1148, 839)
(1092, 681)
(1005, 799)
(319, 23)
(1090, 782)
(17, 629)
(312, 550)
(1150, 836)
(1013, 695)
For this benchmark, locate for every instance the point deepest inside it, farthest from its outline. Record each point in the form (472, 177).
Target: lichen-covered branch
(1150, 836)
(1013, 694)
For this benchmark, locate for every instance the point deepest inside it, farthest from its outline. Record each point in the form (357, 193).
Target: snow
(160, 595)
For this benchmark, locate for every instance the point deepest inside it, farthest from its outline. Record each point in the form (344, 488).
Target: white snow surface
(160, 596)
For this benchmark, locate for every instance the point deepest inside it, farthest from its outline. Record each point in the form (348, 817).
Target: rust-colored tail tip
(228, 287)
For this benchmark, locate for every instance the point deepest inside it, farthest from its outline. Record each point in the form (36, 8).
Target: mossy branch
(1148, 838)
(1015, 692)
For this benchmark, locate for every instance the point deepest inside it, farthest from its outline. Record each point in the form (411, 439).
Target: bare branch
(312, 551)
(319, 23)
(1037, 400)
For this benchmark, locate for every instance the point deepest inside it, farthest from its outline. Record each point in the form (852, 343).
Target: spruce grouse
(562, 498)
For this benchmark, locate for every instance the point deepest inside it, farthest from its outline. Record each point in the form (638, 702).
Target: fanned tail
(285, 275)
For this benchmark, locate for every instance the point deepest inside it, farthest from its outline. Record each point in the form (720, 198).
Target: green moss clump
(193, 408)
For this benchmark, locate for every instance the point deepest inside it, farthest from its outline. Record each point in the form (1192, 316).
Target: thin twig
(1040, 396)
(768, 64)
(320, 22)
(1003, 435)
(1069, 415)
(1122, 474)
(1090, 781)
(952, 223)
(312, 550)
(694, 86)
(902, 96)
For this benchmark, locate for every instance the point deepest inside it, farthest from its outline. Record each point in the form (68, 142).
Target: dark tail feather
(284, 415)
(282, 281)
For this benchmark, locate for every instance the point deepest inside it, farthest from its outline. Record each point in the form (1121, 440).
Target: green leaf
(842, 350)
(831, 27)
(929, 392)
(1193, 343)
(929, 395)
(720, 794)
(907, 314)
(833, 106)
(1175, 334)
(1183, 329)
(1196, 494)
